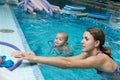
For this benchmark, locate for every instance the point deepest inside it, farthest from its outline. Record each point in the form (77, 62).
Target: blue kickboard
(99, 15)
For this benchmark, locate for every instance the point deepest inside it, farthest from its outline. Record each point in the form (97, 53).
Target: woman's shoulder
(102, 57)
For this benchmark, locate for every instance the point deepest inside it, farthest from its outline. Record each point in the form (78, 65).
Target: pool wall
(10, 32)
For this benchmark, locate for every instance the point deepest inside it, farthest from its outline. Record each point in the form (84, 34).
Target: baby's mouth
(55, 44)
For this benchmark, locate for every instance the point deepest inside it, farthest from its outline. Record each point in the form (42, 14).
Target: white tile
(7, 22)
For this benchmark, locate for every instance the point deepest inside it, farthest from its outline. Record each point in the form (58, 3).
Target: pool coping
(36, 69)
(37, 73)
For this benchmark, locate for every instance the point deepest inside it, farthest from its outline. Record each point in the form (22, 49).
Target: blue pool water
(39, 30)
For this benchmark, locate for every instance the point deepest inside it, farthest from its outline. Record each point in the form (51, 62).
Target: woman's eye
(86, 39)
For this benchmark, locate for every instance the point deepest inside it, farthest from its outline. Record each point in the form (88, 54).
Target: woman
(93, 55)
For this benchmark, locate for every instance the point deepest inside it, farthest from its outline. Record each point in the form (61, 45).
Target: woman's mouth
(83, 47)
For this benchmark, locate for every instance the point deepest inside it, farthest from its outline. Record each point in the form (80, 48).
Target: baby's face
(60, 40)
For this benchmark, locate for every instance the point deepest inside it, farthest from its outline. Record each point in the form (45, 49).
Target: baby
(60, 45)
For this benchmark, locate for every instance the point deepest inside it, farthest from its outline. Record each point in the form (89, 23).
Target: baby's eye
(60, 39)
(56, 38)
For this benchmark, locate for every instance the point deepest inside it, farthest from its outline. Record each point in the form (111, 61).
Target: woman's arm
(63, 62)
(80, 56)
(66, 62)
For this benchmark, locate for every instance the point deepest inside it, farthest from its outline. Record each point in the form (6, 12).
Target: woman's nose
(82, 41)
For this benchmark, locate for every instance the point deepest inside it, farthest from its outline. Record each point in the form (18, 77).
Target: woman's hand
(30, 56)
(18, 54)
(23, 55)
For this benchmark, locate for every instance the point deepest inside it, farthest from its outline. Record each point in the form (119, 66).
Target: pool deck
(10, 32)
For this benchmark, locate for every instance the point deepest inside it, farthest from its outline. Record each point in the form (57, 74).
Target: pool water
(39, 30)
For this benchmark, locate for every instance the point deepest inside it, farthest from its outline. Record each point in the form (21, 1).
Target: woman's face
(88, 42)
(60, 40)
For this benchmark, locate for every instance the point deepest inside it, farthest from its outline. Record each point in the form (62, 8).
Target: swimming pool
(38, 31)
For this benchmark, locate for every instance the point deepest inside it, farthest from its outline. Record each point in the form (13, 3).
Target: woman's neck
(93, 52)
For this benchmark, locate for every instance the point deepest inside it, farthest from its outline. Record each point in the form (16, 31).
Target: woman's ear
(97, 43)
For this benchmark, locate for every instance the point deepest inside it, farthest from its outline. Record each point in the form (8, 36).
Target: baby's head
(61, 39)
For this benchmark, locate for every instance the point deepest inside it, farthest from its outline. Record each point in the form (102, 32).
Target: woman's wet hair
(98, 34)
